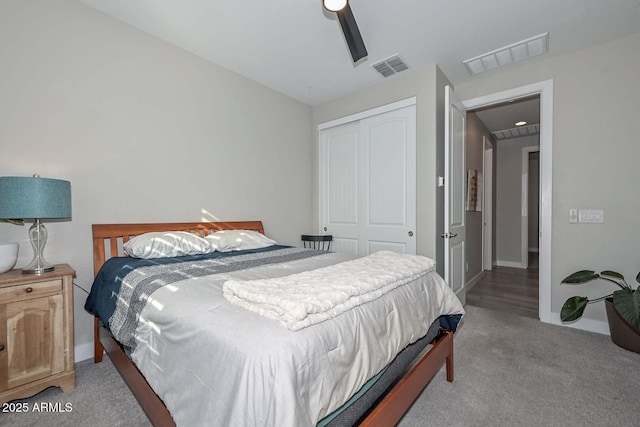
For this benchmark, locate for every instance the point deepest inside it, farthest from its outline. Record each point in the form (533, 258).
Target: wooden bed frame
(107, 243)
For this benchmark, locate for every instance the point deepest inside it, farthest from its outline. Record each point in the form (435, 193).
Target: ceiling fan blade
(352, 33)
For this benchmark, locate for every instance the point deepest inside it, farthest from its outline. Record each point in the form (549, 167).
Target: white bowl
(8, 256)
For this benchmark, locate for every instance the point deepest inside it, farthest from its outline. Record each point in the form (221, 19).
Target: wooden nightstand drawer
(31, 290)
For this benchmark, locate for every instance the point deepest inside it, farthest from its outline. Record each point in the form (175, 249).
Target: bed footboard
(398, 401)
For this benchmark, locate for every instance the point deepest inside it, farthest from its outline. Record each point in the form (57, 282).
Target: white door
(368, 183)
(339, 187)
(454, 200)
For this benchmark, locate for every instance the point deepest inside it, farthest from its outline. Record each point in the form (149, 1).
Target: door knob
(448, 235)
(410, 233)
(1, 347)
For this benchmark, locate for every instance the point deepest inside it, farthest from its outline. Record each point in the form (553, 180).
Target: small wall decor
(479, 187)
(472, 189)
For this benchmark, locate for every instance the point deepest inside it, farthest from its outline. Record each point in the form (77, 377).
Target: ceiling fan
(349, 27)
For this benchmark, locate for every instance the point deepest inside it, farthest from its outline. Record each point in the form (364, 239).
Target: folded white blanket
(302, 299)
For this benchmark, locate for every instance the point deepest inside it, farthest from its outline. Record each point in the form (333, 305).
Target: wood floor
(508, 289)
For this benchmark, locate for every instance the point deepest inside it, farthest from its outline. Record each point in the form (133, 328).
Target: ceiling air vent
(516, 132)
(390, 66)
(516, 52)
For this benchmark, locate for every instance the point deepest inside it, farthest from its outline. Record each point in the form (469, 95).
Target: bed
(364, 393)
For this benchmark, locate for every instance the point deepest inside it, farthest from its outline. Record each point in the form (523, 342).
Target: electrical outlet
(593, 216)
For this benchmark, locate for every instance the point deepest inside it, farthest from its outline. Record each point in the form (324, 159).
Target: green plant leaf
(581, 276)
(627, 303)
(573, 308)
(612, 274)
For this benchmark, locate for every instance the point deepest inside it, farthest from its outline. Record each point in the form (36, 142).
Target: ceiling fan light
(334, 5)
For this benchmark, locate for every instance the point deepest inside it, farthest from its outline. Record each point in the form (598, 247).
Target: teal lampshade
(34, 198)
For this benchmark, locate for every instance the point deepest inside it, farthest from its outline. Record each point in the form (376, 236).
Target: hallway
(514, 290)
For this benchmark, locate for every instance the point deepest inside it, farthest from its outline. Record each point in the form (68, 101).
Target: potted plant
(622, 306)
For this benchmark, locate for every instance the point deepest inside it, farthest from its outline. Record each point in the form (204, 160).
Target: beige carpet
(517, 371)
(510, 371)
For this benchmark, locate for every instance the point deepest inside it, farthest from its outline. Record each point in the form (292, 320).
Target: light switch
(573, 216)
(592, 216)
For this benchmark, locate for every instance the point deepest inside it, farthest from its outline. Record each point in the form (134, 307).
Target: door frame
(487, 204)
(545, 90)
(524, 239)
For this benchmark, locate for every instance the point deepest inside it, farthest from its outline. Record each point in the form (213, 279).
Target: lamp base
(38, 237)
(38, 270)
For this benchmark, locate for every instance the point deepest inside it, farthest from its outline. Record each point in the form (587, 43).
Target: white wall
(144, 131)
(508, 197)
(595, 152)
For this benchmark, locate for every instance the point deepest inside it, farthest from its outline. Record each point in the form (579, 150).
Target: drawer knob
(29, 289)
(1, 347)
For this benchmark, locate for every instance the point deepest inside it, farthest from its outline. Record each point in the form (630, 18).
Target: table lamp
(37, 199)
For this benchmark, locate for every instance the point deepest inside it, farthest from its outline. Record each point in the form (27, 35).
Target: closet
(367, 180)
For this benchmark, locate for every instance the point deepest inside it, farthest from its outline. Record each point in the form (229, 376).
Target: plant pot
(622, 333)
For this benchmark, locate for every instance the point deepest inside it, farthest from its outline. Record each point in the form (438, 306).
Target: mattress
(214, 363)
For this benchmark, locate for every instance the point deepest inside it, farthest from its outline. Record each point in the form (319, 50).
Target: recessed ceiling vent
(516, 52)
(516, 132)
(390, 66)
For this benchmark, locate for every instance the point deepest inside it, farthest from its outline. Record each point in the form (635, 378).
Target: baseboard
(474, 280)
(83, 352)
(513, 264)
(591, 325)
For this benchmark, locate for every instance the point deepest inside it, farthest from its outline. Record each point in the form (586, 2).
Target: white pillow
(164, 244)
(237, 240)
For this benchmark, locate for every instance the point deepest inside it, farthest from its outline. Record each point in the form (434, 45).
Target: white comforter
(217, 364)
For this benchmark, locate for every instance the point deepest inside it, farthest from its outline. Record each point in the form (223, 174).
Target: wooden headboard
(109, 238)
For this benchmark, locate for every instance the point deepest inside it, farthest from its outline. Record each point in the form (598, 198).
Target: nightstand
(36, 332)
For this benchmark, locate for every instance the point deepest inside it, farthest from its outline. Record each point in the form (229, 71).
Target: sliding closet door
(368, 183)
(339, 188)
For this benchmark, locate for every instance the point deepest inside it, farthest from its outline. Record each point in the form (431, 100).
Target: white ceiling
(504, 116)
(297, 48)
